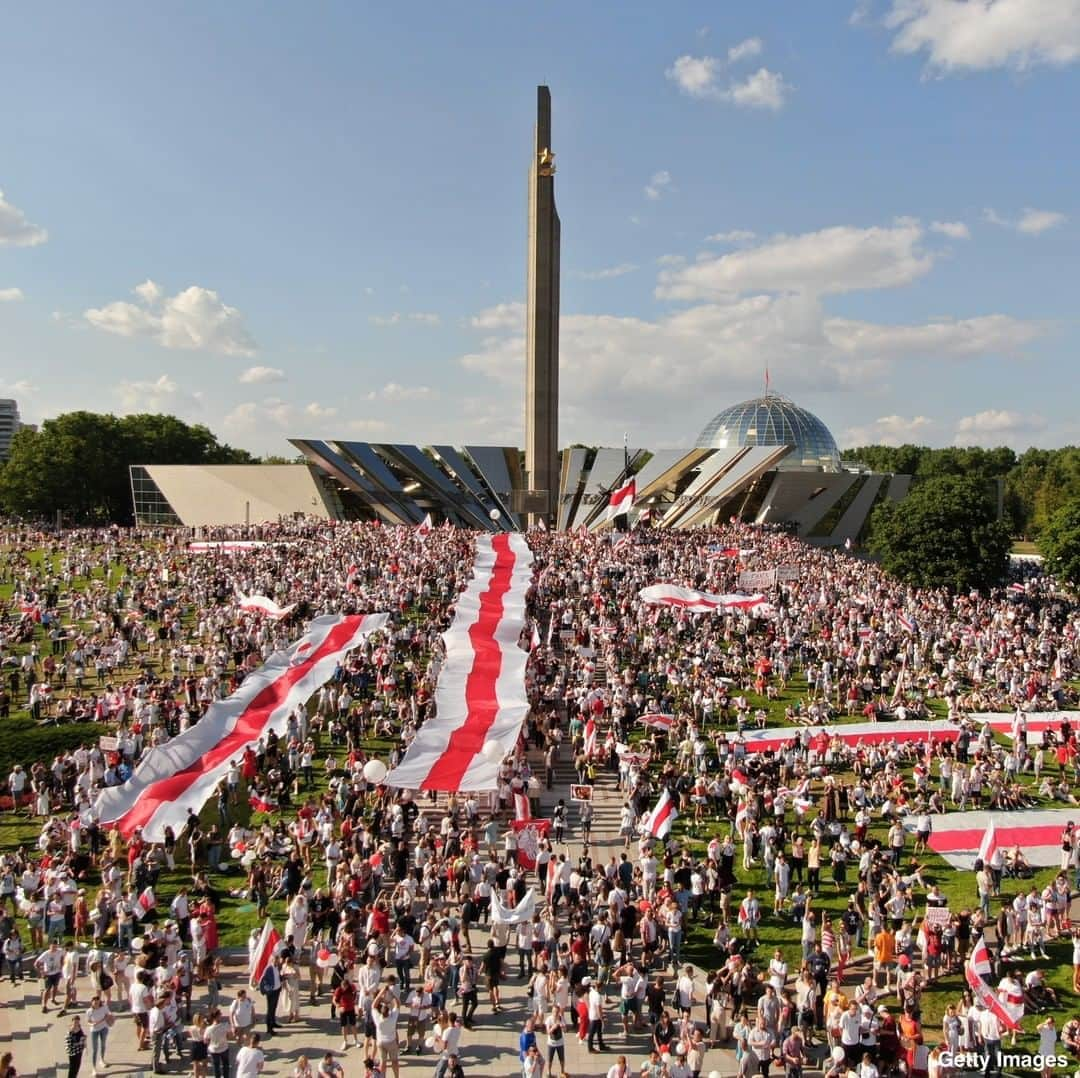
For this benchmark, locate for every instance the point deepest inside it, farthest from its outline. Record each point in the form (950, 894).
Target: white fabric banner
(697, 602)
(480, 696)
(183, 773)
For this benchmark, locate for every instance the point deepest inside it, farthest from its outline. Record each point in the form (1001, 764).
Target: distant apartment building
(9, 424)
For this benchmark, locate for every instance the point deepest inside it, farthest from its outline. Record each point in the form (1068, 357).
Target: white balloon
(495, 514)
(375, 771)
(493, 751)
(714, 1074)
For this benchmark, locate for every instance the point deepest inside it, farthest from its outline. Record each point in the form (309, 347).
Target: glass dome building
(774, 420)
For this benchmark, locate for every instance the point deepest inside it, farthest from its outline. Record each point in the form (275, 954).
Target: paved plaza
(491, 1048)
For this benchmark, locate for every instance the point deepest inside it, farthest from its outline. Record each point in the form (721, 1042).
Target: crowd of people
(386, 898)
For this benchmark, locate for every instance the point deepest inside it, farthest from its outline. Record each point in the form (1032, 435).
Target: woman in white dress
(296, 924)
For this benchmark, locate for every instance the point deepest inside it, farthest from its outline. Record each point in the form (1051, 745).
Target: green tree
(943, 534)
(1059, 543)
(77, 463)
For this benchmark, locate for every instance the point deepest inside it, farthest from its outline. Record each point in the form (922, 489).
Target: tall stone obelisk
(542, 326)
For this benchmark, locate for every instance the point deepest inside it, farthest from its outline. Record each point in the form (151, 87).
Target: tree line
(1037, 482)
(77, 464)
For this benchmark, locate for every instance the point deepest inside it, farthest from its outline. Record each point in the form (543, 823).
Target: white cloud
(194, 319)
(371, 427)
(889, 430)
(736, 235)
(695, 75)
(393, 391)
(994, 334)
(1031, 222)
(398, 317)
(764, 89)
(621, 270)
(21, 388)
(699, 77)
(162, 394)
(318, 411)
(656, 186)
(261, 375)
(11, 295)
(255, 415)
(839, 259)
(501, 316)
(955, 230)
(15, 229)
(978, 35)
(997, 424)
(745, 50)
(615, 367)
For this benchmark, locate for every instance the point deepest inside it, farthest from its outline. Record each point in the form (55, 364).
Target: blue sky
(308, 220)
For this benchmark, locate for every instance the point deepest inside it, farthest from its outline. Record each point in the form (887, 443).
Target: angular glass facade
(774, 421)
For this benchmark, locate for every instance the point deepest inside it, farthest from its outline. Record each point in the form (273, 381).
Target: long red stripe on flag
(481, 697)
(249, 726)
(971, 838)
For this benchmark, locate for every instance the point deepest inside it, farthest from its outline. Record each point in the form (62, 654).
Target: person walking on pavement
(270, 986)
(76, 1045)
(595, 1002)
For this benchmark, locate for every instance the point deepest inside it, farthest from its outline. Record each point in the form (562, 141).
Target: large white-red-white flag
(262, 604)
(658, 822)
(263, 953)
(977, 970)
(480, 696)
(698, 602)
(657, 720)
(183, 773)
(622, 500)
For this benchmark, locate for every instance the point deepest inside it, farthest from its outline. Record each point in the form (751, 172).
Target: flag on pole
(622, 500)
(522, 811)
(906, 623)
(263, 953)
(144, 904)
(988, 844)
(590, 737)
(976, 971)
(658, 822)
(423, 529)
(534, 641)
(540, 524)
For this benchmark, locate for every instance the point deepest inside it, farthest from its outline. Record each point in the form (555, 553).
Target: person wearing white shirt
(241, 1015)
(990, 1030)
(250, 1059)
(851, 1033)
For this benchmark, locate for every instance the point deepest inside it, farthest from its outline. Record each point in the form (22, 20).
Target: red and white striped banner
(480, 695)
(183, 773)
(262, 604)
(978, 970)
(225, 546)
(698, 602)
(657, 720)
(852, 733)
(658, 822)
(263, 952)
(959, 836)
